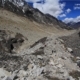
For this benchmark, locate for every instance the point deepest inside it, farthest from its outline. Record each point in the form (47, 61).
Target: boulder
(78, 63)
(39, 57)
(9, 43)
(70, 50)
(4, 73)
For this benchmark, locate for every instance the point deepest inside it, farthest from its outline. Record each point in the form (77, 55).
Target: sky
(65, 10)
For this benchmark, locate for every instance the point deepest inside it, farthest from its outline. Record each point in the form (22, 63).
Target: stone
(59, 66)
(70, 50)
(39, 57)
(4, 73)
(22, 73)
(51, 62)
(62, 41)
(63, 57)
(71, 78)
(54, 51)
(8, 78)
(78, 63)
(13, 76)
(30, 66)
(78, 58)
(3, 78)
(38, 71)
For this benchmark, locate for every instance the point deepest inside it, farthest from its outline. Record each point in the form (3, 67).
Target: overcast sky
(65, 10)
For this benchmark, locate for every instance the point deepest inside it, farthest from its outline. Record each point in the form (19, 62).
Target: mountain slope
(22, 8)
(30, 29)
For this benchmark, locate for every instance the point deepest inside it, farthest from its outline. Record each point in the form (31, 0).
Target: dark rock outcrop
(8, 43)
(43, 40)
(79, 34)
(22, 8)
(78, 63)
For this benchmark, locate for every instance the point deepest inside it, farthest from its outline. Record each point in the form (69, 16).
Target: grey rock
(70, 50)
(8, 78)
(4, 73)
(39, 57)
(78, 63)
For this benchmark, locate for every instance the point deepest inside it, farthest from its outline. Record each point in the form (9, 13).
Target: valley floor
(30, 29)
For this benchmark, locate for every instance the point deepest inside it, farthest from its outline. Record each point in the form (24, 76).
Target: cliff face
(21, 7)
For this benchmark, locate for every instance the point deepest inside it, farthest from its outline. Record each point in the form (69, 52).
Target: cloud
(62, 5)
(52, 7)
(68, 10)
(77, 6)
(67, 20)
(63, 15)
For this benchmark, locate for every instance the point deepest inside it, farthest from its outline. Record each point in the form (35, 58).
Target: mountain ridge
(74, 25)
